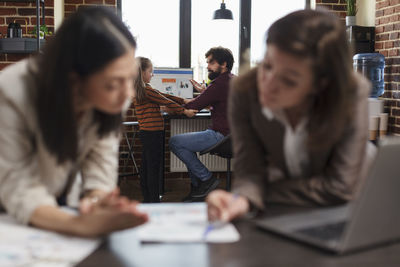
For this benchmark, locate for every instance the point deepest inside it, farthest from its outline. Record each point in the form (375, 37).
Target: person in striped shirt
(147, 104)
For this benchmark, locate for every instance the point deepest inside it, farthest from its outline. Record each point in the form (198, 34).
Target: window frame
(185, 30)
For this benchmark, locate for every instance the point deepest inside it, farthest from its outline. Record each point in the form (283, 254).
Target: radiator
(178, 126)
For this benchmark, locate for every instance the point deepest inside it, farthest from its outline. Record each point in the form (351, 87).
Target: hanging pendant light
(223, 13)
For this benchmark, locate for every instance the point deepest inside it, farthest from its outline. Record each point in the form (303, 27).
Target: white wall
(58, 13)
(366, 13)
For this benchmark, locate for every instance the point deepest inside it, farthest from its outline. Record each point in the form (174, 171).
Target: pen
(211, 226)
(219, 223)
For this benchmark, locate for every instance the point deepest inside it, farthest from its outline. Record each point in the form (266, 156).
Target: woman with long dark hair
(299, 120)
(60, 114)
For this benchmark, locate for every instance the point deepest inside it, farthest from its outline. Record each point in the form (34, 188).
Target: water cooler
(361, 38)
(372, 66)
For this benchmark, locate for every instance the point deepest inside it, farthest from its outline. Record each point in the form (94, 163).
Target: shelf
(19, 45)
(25, 46)
(23, 1)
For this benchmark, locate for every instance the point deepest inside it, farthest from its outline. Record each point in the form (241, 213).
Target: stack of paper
(27, 246)
(179, 222)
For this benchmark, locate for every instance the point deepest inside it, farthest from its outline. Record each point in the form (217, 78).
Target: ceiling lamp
(223, 13)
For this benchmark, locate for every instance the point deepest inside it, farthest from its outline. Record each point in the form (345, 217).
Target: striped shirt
(149, 114)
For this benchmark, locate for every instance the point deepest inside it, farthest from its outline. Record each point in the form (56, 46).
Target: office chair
(223, 149)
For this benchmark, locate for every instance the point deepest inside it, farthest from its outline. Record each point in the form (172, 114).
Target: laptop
(372, 219)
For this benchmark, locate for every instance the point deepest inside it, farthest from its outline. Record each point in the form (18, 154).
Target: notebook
(370, 220)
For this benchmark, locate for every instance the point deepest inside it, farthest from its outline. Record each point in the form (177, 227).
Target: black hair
(221, 55)
(84, 44)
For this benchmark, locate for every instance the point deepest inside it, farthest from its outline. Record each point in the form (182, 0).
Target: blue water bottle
(372, 66)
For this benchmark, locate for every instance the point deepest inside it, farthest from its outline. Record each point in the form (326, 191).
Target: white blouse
(294, 144)
(29, 174)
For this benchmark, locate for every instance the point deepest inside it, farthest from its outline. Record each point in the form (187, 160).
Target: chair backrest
(222, 149)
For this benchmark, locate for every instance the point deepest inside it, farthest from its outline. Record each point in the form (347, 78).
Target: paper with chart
(182, 222)
(173, 81)
(27, 246)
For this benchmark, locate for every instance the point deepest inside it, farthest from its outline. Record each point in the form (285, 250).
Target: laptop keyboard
(325, 232)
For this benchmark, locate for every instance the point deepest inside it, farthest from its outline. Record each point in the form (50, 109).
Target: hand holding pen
(224, 206)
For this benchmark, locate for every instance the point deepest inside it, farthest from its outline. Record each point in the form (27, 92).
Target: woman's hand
(103, 213)
(111, 212)
(190, 112)
(99, 216)
(225, 206)
(109, 216)
(97, 197)
(197, 86)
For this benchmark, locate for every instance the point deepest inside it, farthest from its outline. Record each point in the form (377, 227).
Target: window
(263, 14)
(207, 33)
(155, 25)
(157, 30)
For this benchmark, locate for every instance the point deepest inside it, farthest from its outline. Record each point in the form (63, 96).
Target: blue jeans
(185, 146)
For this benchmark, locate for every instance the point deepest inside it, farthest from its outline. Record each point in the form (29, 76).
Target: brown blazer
(332, 175)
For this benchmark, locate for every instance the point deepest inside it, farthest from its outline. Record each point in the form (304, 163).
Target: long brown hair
(321, 37)
(140, 85)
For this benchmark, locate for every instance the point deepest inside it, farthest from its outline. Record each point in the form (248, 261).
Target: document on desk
(182, 222)
(27, 246)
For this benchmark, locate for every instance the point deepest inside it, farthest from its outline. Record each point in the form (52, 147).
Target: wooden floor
(175, 189)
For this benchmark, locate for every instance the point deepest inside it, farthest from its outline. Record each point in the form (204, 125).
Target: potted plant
(351, 11)
(43, 31)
